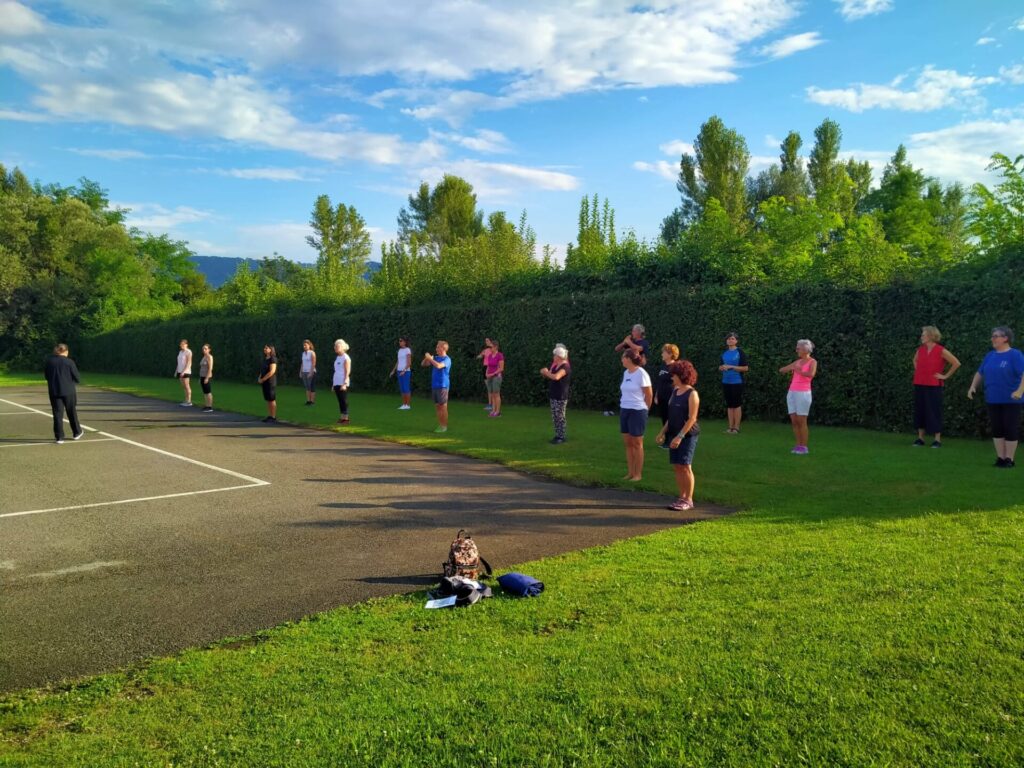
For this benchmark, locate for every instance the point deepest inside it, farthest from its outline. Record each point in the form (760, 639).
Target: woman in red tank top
(929, 375)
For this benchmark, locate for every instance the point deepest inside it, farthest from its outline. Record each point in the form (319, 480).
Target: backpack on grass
(464, 558)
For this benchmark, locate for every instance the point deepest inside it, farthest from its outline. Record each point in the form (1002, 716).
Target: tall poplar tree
(717, 169)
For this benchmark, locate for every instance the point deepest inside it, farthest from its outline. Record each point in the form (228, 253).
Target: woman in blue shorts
(635, 403)
(681, 430)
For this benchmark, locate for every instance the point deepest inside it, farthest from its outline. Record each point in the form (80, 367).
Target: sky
(219, 122)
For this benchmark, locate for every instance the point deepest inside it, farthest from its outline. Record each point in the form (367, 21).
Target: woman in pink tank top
(798, 399)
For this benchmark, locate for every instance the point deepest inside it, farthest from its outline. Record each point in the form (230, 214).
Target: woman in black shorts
(733, 367)
(268, 379)
(205, 374)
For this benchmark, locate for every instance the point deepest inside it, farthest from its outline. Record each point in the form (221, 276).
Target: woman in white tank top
(308, 371)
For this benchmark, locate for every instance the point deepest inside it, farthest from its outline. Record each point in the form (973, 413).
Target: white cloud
(285, 237)
(985, 41)
(484, 141)
(1013, 75)
(155, 217)
(1019, 24)
(676, 148)
(266, 174)
(933, 89)
(851, 10)
(23, 117)
(962, 152)
(663, 168)
(501, 182)
(787, 46)
(19, 20)
(112, 154)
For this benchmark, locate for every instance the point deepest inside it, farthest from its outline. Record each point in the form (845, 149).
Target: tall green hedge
(865, 341)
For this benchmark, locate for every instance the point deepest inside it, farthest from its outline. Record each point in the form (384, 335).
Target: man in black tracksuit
(61, 376)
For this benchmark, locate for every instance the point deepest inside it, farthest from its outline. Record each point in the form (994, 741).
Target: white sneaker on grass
(405, 407)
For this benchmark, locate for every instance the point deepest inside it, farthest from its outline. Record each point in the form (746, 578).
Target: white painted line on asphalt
(253, 482)
(14, 413)
(67, 441)
(43, 413)
(239, 475)
(131, 501)
(98, 565)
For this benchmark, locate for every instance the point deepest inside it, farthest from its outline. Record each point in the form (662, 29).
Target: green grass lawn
(865, 608)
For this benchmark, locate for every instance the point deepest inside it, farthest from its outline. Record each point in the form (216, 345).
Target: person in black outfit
(61, 376)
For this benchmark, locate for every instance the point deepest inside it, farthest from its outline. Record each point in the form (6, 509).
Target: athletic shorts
(633, 421)
(440, 396)
(684, 453)
(493, 384)
(205, 384)
(308, 381)
(184, 375)
(405, 382)
(269, 391)
(1005, 420)
(798, 402)
(928, 408)
(733, 395)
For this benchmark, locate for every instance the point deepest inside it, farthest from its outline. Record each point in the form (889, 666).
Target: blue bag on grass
(521, 585)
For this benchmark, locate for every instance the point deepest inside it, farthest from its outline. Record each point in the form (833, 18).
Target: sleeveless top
(204, 367)
(679, 414)
(307, 362)
(927, 364)
(801, 383)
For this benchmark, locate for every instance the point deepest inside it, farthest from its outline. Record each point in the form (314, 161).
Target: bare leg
(795, 421)
(638, 457)
(442, 415)
(629, 456)
(272, 407)
(684, 481)
(185, 385)
(1000, 445)
(496, 405)
(1010, 448)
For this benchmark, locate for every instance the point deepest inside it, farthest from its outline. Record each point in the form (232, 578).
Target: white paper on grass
(441, 602)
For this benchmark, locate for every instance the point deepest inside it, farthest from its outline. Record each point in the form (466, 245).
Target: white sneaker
(185, 405)
(405, 407)
(60, 442)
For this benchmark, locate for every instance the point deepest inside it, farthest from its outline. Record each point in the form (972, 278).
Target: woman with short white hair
(558, 389)
(798, 399)
(340, 382)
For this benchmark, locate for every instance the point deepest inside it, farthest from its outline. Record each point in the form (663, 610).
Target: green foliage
(996, 218)
(717, 169)
(342, 243)
(595, 239)
(865, 337)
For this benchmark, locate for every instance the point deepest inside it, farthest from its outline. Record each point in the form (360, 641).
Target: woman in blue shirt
(734, 365)
(1002, 372)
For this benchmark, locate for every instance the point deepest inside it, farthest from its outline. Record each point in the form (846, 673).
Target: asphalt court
(165, 528)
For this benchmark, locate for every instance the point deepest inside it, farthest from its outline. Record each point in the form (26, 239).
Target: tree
(833, 189)
(342, 244)
(996, 217)
(717, 169)
(595, 236)
(441, 217)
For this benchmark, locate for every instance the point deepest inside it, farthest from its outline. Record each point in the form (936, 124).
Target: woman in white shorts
(798, 399)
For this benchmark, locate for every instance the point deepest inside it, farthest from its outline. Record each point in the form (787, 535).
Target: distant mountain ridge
(219, 269)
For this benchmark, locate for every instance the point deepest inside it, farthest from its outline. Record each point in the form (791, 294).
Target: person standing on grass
(558, 389)
(403, 369)
(1002, 372)
(634, 406)
(733, 367)
(340, 382)
(183, 372)
(482, 356)
(930, 374)
(663, 387)
(798, 399)
(681, 430)
(268, 380)
(440, 380)
(636, 342)
(493, 374)
(61, 377)
(308, 371)
(205, 374)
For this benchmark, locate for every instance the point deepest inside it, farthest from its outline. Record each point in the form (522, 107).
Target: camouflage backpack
(464, 558)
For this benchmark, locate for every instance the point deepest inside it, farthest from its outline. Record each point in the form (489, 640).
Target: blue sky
(220, 122)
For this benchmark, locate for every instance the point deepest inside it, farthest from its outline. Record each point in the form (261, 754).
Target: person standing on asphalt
(61, 377)
(183, 372)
